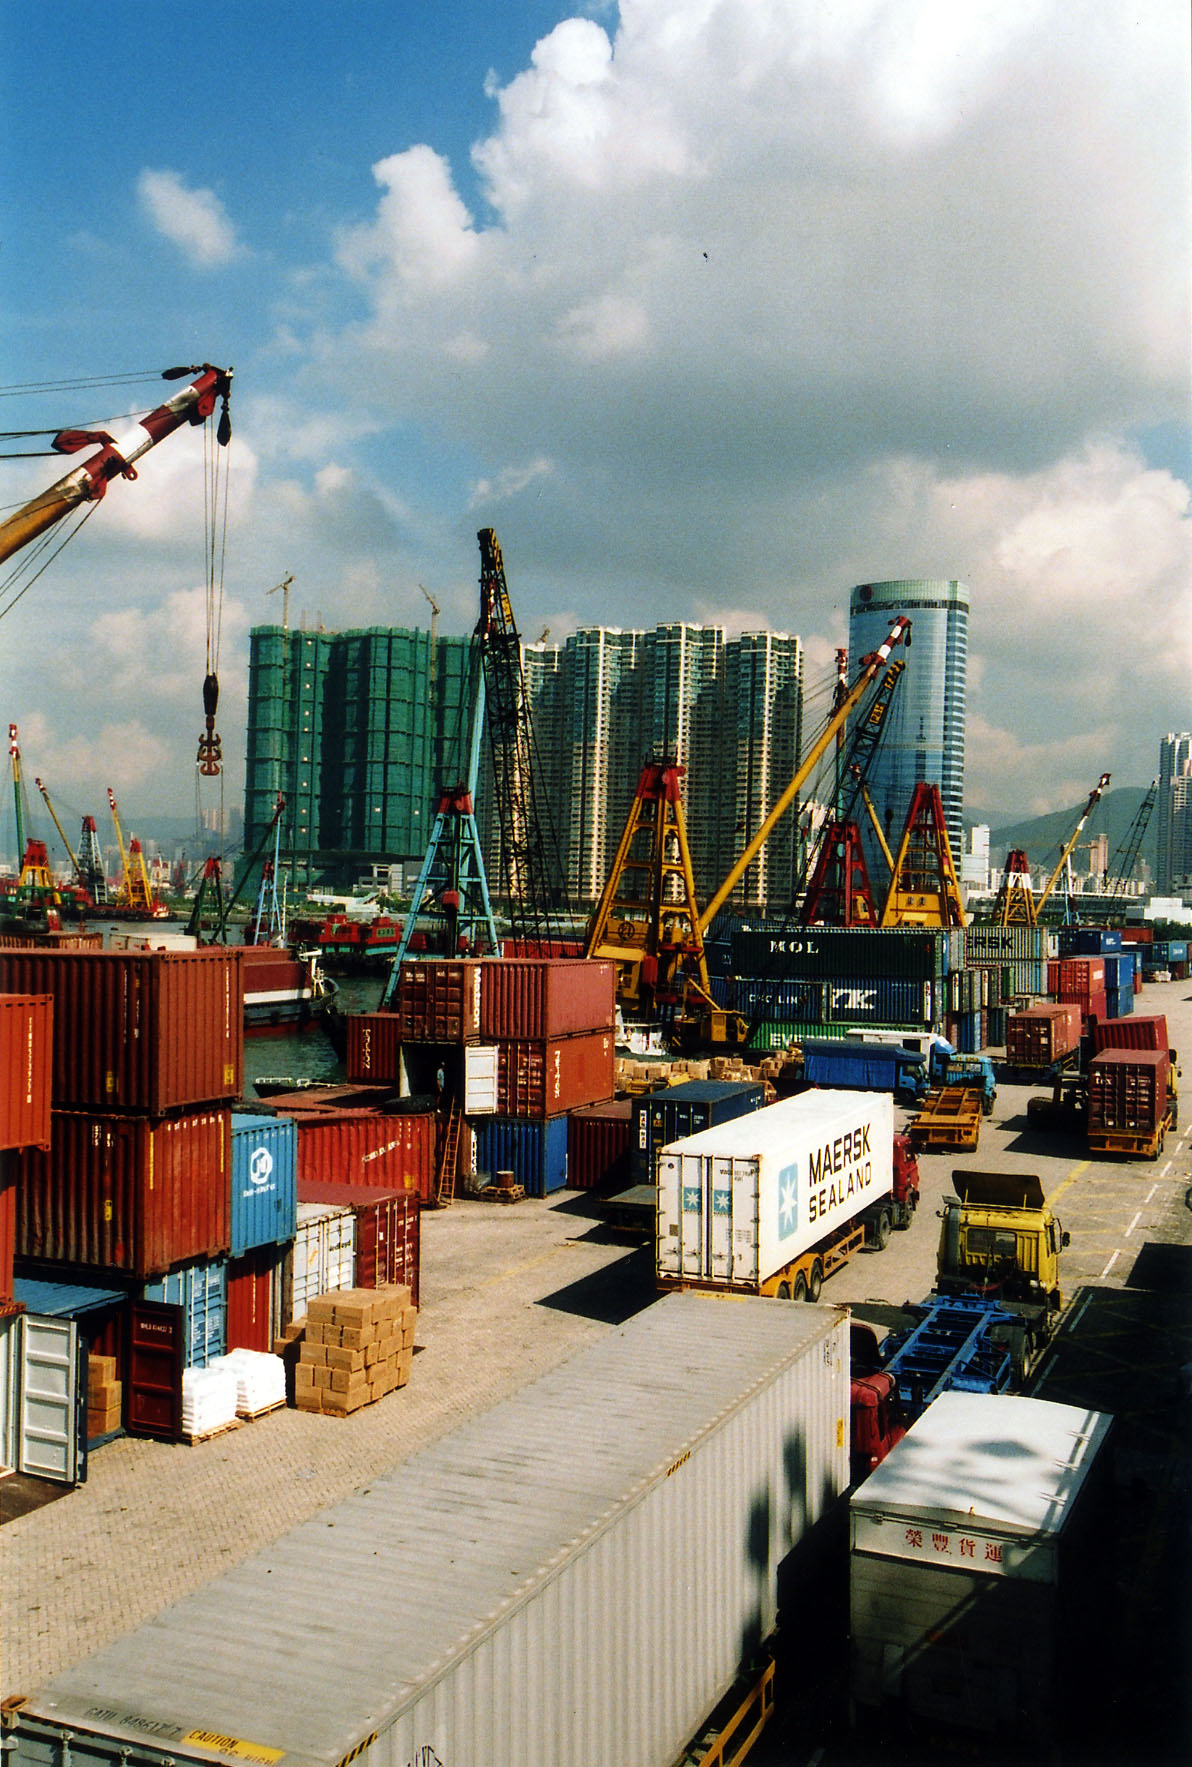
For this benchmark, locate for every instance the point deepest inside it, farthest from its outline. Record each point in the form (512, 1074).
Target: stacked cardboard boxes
(358, 1345)
(104, 1397)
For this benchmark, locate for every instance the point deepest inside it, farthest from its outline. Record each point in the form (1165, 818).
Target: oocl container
(146, 1031)
(383, 1631)
(26, 1059)
(738, 1202)
(550, 1078)
(264, 1198)
(135, 1194)
(388, 1232)
(527, 999)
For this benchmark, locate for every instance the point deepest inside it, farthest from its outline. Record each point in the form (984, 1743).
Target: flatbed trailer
(1139, 1144)
(962, 1343)
(949, 1118)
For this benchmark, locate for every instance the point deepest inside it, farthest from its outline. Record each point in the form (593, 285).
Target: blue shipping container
(264, 1181)
(662, 1117)
(880, 1000)
(1088, 941)
(782, 1000)
(201, 1290)
(535, 1152)
(1120, 1002)
(1119, 971)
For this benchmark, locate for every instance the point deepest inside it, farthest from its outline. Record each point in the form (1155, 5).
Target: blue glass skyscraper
(924, 740)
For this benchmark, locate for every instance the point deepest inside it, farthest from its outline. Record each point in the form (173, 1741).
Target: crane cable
(32, 554)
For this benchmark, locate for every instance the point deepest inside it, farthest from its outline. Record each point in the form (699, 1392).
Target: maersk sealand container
(572, 1579)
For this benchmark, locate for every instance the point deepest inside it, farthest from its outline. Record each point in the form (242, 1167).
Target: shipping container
(739, 1202)
(144, 1031)
(264, 1181)
(26, 1065)
(133, 1194)
(254, 1298)
(438, 1000)
(662, 1117)
(550, 1078)
(914, 954)
(367, 1149)
(1088, 941)
(8, 1224)
(628, 1517)
(1075, 978)
(1040, 1035)
(322, 1257)
(201, 1290)
(1135, 1032)
(778, 1000)
(373, 1047)
(600, 1146)
(388, 1232)
(534, 1150)
(1119, 971)
(882, 1000)
(978, 1566)
(536, 1000)
(1127, 1091)
(989, 944)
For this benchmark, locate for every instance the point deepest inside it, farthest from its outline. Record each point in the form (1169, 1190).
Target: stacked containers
(1040, 1035)
(1080, 980)
(1134, 1032)
(825, 976)
(1017, 953)
(1119, 983)
(367, 1149)
(26, 1046)
(264, 1219)
(387, 1232)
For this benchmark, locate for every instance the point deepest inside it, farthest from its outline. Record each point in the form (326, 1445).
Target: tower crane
(1124, 860)
(283, 589)
(136, 894)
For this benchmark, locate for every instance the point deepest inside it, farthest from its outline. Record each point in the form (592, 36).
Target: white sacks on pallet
(208, 1399)
(260, 1379)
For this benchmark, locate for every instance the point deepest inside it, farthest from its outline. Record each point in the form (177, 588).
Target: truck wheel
(784, 1291)
(800, 1287)
(882, 1232)
(817, 1281)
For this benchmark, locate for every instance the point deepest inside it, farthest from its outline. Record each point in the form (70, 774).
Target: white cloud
(194, 220)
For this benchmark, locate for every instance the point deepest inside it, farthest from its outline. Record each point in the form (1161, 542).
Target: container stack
(1038, 1036)
(1079, 981)
(26, 1060)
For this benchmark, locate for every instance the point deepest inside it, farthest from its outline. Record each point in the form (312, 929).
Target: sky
(710, 308)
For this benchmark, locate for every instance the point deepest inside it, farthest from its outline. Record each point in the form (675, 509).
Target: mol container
(678, 1111)
(740, 1203)
(979, 1556)
(536, 999)
(264, 1180)
(26, 1058)
(551, 1077)
(145, 1031)
(135, 1194)
(627, 1519)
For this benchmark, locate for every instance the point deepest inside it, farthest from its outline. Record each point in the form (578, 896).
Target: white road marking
(1113, 1260)
(1154, 1187)
(1134, 1224)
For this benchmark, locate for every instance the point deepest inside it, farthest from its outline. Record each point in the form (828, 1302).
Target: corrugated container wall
(8, 1224)
(527, 1000)
(201, 1290)
(662, 1117)
(264, 1181)
(364, 1148)
(599, 1145)
(627, 1516)
(388, 1232)
(1039, 1035)
(26, 1062)
(548, 1079)
(148, 1031)
(254, 1298)
(322, 1257)
(1128, 1090)
(127, 1193)
(373, 1047)
(865, 953)
(534, 1150)
(1135, 1032)
(439, 1001)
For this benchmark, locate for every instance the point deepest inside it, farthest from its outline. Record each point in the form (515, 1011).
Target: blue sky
(711, 308)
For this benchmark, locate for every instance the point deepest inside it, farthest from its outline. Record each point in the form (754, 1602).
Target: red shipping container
(599, 1144)
(26, 1065)
(136, 1194)
(8, 1224)
(1127, 1090)
(1094, 1006)
(1075, 978)
(1039, 1035)
(1131, 1033)
(350, 1096)
(253, 1305)
(374, 1046)
(71, 940)
(368, 1150)
(536, 999)
(548, 1079)
(438, 1001)
(150, 1031)
(388, 1231)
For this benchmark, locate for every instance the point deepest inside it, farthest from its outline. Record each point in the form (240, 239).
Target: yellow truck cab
(999, 1237)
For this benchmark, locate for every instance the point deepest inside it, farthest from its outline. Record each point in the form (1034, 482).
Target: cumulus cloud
(192, 219)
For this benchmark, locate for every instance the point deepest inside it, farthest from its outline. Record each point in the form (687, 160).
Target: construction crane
(840, 893)
(135, 893)
(1122, 865)
(1015, 903)
(538, 909)
(80, 880)
(924, 888)
(283, 589)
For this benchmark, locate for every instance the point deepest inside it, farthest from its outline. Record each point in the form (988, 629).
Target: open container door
(153, 1400)
(51, 1399)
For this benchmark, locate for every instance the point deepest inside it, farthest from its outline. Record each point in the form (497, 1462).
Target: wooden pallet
(261, 1411)
(193, 1440)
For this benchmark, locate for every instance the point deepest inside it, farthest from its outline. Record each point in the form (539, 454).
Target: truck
(1001, 1241)
(1132, 1101)
(775, 1202)
(947, 1068)
(855, 1064)
(977, 1569)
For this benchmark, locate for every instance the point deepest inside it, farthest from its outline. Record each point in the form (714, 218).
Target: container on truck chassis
(949, 1118)
(1132, 1101)
(774, 1202)
(857, 1065)
(539, 1588)
(977, 1573)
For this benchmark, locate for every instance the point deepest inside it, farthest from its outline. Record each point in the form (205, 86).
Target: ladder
(448, 1156)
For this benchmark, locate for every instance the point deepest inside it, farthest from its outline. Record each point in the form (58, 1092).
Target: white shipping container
(739, 1201)
(323, 1256)
(571, 1579)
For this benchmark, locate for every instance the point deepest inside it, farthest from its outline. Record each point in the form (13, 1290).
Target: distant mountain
(1043, 838)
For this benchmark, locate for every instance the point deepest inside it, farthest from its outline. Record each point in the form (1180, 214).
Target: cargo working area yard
(509, 1294)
